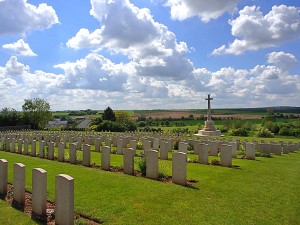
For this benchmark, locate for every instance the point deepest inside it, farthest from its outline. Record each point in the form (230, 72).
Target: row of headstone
(276, 148)
(164, 146)
(64, 191)
(128, 159)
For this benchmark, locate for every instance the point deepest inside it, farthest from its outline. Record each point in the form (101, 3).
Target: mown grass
(10, 215)
(265, 191)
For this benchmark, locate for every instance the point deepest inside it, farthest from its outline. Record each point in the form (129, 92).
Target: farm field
(264, 191)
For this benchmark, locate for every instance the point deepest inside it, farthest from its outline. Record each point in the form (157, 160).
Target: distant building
(56, 123)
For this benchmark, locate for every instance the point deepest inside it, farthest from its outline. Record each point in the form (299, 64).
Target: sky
(150, 54)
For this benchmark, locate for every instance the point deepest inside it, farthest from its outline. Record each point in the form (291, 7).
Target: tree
(36, 112)
(122, 116)
(10, 117)
(109, 114)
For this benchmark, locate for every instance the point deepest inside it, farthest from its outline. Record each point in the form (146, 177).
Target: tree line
(35, 112)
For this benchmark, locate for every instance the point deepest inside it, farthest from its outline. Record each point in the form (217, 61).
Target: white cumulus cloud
(205, 10)
(152, 48)
(93, 72)
(282, 59)
(14, 68)
(20, 47)
(254, 31)
(19, 17)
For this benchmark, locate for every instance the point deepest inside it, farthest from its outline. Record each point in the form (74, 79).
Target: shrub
(181, 130)
(151, 129)
(176, 144)
(141, 164)
(139, 145)
(271, 126)
(285, 131)
(93, 127)
(190, 147)
(264, 132)
(239, 132)
(116, 126)
(142, 124)
(223, 129)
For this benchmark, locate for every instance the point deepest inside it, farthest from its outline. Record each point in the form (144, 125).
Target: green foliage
(181, 130)
(36, 112)
(264, 132)
(142, 124)
(265, 155)
(141, 165)
(151, 129)
(93, 127)
(122, 116)
(96, 121)
(139, 145)
(270, 118)
(289, 131)
(190, 147)
(109, 114)
(176, 144)
(239, 132)
(113, 126)
(271, 126)
(10, 117)
(130, 125)
(83, 112)
(237, 124)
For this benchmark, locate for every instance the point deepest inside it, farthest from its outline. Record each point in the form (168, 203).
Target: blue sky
(150, 54)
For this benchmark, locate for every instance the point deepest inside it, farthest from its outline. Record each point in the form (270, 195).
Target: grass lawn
(265, 191)
(10, 215)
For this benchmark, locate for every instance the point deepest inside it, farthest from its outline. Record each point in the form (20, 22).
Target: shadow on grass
(236, 167)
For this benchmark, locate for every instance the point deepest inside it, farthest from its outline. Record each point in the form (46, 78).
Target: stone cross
(208, 108)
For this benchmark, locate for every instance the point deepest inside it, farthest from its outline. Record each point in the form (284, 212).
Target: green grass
(265, 191)
(10, 215)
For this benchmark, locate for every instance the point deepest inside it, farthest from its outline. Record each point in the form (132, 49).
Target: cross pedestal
(209, 128)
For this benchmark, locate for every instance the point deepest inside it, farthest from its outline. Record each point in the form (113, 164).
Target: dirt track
(179, 114)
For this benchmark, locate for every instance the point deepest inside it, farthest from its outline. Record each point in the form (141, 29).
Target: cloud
(20, 47)
(15, 68)
(19, 17)
(96, 82)
(151, 47)
(94, 72)
(282, 59)
(205, 10)
(256, 31)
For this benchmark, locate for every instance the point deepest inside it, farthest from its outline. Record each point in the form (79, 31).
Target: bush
(264, 132)
(271, 126)
(151, 129)
(239, 132)
(93, 127)
(181, 130)
(139, 145)
(142, 124)
(141, 164)
(190, 147)
(116, 126)
(176, 144)
(285, 131)
(111, 126)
